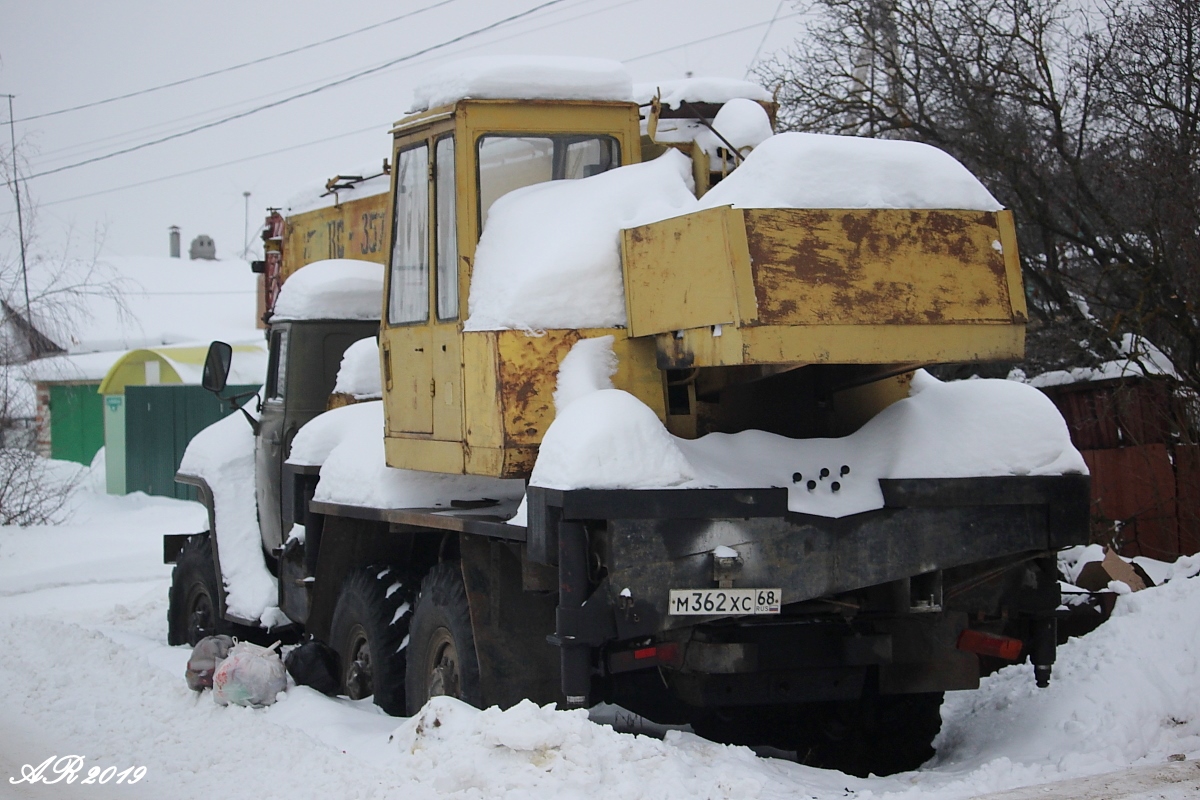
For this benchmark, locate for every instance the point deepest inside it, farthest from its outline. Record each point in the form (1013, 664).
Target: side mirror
(216, 367)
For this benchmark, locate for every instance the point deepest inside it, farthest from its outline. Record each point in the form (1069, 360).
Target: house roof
(121, 303)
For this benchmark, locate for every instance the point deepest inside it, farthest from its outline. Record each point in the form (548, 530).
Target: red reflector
(989, 644)
(645, 652)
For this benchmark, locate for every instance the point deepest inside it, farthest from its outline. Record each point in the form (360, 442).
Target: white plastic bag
(250, 676)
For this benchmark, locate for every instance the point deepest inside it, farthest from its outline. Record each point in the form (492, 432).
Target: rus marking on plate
(731, 602)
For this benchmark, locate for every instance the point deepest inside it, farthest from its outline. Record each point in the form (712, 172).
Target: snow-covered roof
(336, 288)
(81, 367)
(524, 77)
(699, 90)
(1140, 358)
(121, 303)
(184, 364)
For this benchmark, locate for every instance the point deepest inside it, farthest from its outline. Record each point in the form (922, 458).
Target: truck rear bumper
(649, 542)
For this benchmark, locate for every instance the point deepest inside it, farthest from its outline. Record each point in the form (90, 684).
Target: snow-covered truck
(652, 426)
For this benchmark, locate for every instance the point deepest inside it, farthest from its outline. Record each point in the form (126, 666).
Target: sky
(58, 54)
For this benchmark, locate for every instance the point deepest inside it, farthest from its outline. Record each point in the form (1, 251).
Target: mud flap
(510, 626)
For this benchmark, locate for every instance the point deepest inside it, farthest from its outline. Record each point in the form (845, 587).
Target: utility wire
(82, 149)
(378, 127)
(762, 41)
(709, 38)
(244, 64)
(321, 88)
(374, 127)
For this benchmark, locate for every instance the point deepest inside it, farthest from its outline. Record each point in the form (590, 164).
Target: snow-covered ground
(84, 669)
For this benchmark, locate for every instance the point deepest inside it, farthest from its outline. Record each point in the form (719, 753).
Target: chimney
(174, 241)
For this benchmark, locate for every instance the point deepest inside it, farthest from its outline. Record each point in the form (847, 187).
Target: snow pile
(1123, 693)
(1140, 358)
(223, 455)
(354, 470)
(743, 123)
(550, 257)
(699, 90)
(529, 751)
(523, 78)
(608, 439)
(587, 368)
(315, 441)
(810, 170)
(359, 373)
(337, 288)
(601, 437)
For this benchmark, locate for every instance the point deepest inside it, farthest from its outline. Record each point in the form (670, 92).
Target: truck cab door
(405, 338)
(268, 446)
(421, 338)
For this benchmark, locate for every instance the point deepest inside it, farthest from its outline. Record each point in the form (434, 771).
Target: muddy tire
(441, 651)
(369, 631)
(193, 611)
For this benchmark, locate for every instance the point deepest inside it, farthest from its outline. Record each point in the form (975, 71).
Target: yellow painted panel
(408, 373)
(1012, 265)
(527, 370)
(424, 454)
(877, 267)
(355, 229)
(484, 428)
(677, 274)
(448, 382)
(843, 344)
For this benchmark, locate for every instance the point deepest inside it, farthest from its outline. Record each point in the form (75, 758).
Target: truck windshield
(510, 162)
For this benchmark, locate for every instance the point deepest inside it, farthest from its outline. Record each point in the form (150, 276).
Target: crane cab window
(447, 229)
(511, 162)
(408, 299)
(277, 365)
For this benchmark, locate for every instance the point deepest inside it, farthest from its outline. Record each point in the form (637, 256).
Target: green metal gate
(76, 422)
(159, 423)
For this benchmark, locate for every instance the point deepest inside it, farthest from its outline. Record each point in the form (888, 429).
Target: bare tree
(1082, 120)
(37, 310)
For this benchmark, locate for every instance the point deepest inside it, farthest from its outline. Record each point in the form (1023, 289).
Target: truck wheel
(369, 631)
(194, 600)
(883, 735)
(441, 658)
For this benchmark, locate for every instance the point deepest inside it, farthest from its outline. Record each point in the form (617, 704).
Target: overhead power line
(235, 67)
(290, 98)
(710, 38)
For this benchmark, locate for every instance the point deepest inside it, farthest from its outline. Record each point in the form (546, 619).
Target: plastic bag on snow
(314, 664)
(206, 655)
(250, 676)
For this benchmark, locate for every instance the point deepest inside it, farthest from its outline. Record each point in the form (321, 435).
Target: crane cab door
(421, 337)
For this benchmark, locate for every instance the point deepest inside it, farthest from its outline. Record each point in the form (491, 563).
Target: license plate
(706, 602)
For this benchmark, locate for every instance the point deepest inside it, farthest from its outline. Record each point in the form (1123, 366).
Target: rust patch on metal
(527, 384)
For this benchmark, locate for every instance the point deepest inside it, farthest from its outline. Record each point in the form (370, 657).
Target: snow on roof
(184, 364)
(525, 77)
(1141, 358)
(549, 256)
(120, 303)
(811, 170)
(337, 288)
(608, 439)
(82, 367)
(315, 195)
